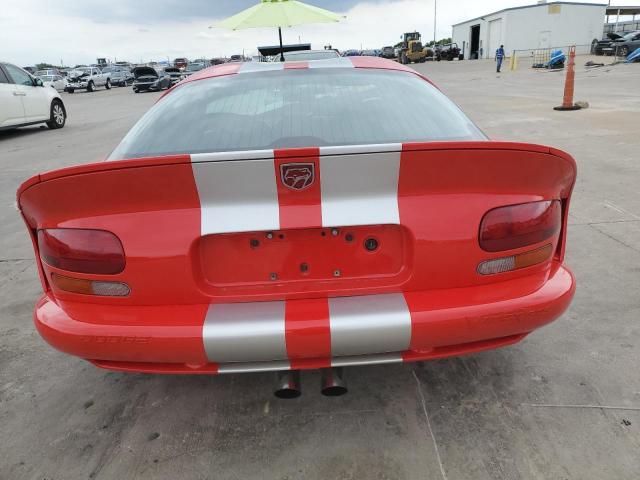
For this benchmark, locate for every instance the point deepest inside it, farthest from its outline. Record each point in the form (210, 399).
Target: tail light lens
(516, 226)
(90, 287)
(515, 262)
(82, 251)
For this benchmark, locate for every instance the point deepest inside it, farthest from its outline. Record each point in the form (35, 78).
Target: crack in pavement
(426, 414)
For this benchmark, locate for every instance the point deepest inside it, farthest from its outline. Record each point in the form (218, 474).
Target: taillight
(515, 226)
(81, 251)
(90, 287)
(515, 262)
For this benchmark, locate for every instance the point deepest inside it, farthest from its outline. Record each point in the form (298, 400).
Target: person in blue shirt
(499, 57)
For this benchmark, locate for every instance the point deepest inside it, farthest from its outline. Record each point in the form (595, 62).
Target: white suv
(24, 100)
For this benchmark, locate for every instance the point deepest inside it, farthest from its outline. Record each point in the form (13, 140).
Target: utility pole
(435, 11)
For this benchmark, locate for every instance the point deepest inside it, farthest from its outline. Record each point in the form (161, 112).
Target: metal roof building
(543, 25)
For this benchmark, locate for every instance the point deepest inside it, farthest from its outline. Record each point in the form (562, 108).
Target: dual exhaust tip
(331, 385)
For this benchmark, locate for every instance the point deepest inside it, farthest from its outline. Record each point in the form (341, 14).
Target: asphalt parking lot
(562, 404)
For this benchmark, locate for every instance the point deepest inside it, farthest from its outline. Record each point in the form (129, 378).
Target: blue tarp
(633, 56)
(557, 59)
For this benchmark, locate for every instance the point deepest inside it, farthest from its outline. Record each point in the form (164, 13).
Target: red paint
(163, 334)
(296, 65)
(153, 209)
(230, 268)
(378, 63)
(448, 317)
(310, 364)
(461, 349)
(308, 335)
(299, 208)
(152, 206)
(436, 206)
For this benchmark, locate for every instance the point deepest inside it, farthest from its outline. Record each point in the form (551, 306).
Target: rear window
(296, 108)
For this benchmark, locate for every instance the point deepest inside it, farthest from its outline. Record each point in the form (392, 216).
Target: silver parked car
(120, 76)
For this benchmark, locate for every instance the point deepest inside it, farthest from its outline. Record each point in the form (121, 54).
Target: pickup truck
(87, 78)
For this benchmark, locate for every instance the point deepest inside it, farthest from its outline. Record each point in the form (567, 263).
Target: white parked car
(55, 81)
(24, 100)
(87, 78)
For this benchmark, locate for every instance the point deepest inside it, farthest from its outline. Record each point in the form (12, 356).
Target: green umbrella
(278, 13)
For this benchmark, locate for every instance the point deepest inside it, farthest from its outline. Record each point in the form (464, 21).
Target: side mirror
(38, 82)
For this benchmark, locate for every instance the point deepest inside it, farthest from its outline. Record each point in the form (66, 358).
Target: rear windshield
(296, 108)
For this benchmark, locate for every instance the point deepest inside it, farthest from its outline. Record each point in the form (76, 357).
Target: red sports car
(300, 215)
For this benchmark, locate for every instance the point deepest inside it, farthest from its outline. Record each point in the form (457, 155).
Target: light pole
(435, 11)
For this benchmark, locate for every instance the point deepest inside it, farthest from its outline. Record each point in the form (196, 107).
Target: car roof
(250, 68)
(258, 67)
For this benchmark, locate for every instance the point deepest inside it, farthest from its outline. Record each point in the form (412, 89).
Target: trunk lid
(295, 223)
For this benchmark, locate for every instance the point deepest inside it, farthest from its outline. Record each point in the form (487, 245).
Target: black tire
(108, 84)
(58, 115)
(91, 87)
(623, 51)
(71, 90)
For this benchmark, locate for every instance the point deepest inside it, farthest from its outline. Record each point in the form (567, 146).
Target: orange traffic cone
(567, 101)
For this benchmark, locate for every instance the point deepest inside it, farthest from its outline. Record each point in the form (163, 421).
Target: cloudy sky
(77, 31)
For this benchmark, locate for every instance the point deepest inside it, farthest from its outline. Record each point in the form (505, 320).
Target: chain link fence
(539, 57)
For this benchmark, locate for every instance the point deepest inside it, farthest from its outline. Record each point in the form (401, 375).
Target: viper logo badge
(297, 176)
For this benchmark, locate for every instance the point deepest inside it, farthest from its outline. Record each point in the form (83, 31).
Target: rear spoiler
(260, 154)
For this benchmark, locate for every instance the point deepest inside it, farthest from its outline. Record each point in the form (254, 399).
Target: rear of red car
(296, 257)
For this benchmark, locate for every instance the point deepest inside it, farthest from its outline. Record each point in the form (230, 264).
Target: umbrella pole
(281, 48)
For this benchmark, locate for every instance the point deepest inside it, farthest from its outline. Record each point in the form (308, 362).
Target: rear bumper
(268, 336)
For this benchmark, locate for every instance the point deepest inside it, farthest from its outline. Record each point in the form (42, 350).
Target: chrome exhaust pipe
(332, 382)
(288, 384)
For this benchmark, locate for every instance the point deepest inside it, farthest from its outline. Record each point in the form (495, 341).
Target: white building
(544, 25)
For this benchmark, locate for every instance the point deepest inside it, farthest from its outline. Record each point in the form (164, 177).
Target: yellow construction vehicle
(411, 49)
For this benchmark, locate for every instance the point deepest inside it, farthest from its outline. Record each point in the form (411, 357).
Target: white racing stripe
(338, 62)
(369, 324)
(364, 330)
(354, 149)
(254, 367)
(249, 67)
(375, 359)
(231, 156)
(245, 332)
(360, 188)
(236, 196)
